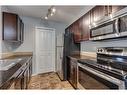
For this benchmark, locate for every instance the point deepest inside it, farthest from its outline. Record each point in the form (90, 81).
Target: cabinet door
(19, 81)
(13, 28)
(18, 29)
(98, 12)
(10, 27)
(71, 28)
(77, 32)
(21, 31)
(12, 87)
(73, 73)
(85, 26)
(116, 8)
(25, 79)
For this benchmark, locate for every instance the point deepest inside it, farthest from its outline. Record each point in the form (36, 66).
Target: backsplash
(91, 46)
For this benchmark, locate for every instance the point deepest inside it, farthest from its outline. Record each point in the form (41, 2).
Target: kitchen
(63, 47)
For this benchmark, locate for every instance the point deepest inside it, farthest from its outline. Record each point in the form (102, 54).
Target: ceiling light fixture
(51, 12)
(46, 17)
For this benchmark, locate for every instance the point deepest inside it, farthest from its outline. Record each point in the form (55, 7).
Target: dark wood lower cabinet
(12, 86)
(22, 80)
(25, 79)
(72, 72)
(18, 82)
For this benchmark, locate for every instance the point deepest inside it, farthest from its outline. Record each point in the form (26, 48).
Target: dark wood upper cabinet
(72, 28)
(97, 13)
(77, 31)
(81, 27)
(116, 8)
(9, 26)
(12, 27)
(85, 26)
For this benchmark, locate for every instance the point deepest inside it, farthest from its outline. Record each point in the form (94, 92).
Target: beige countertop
(85, 55)
(79, 57)
(14, 54)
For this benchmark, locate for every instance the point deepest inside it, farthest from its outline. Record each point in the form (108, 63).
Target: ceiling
(64, 14)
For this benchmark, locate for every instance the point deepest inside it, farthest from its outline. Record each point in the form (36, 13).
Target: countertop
(82, 57)
(8, 75)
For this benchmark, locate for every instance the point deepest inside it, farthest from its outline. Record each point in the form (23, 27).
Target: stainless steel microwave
(112, 28)
(104, 31)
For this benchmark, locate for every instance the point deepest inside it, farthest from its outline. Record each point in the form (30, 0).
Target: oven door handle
(104, 76)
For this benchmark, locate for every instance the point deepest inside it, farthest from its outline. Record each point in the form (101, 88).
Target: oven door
(88, 78)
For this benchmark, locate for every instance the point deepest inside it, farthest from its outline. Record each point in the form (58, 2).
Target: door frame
(35, 44)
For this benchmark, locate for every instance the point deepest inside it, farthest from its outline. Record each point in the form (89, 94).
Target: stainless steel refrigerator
(65, 47)
(59, 54)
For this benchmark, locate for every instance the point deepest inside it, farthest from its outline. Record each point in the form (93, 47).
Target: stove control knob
(99, 50)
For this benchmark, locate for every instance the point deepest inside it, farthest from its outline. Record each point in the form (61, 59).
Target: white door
(45, 50)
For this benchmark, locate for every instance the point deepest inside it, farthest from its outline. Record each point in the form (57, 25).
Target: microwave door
(104, 31)
(123, 26)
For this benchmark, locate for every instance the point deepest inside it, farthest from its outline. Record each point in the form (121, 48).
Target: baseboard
(42, 73)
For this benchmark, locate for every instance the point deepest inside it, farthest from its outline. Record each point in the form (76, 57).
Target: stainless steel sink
(8, 63)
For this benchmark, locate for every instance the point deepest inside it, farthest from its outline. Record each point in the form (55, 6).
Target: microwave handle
(117, 26)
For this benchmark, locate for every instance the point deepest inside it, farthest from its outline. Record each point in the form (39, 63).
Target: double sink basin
(6, 64)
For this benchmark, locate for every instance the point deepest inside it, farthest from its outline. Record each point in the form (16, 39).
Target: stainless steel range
(108, 72)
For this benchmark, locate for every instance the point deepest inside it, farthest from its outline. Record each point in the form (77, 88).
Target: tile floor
(49, 81)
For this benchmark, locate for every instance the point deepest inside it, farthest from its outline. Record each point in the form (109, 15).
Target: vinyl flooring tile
(49, 81)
